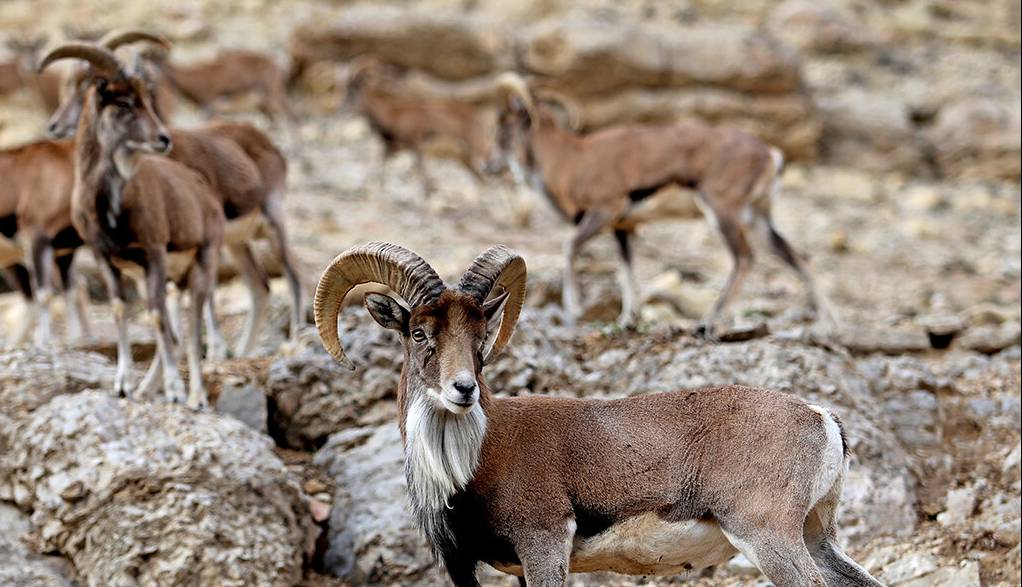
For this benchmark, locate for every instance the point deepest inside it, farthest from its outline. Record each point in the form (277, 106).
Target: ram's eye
(418, 335)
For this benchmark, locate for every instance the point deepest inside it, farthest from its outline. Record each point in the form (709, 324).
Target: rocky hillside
(901, 121)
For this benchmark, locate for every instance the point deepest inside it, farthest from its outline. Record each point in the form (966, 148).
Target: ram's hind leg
(733, 231)
(156, 303)
(75, 296)
(781, 556)
(626, 279)
(590, 224)
(201, 280)
(274, 213)
(259, 289)
(18, 276)
(821, 538)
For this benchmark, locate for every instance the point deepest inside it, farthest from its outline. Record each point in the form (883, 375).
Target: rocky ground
(910, 212)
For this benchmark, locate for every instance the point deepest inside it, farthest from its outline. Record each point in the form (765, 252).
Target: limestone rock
(153, 493)
(979, 138)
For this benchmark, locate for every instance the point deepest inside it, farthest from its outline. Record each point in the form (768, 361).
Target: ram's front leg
(156, 286)
(42, 268)
(545, 555)
(115, 289)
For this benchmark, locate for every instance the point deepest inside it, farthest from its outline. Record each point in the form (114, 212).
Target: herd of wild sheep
(537, 487)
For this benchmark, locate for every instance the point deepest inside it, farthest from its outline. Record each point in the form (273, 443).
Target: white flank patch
(832, 459)
(443, 450)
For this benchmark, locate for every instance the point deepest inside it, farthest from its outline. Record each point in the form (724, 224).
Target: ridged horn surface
(388, 264)
(498, 267)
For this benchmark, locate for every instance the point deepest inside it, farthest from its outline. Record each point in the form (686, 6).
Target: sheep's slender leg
(839, 570)
(462, 572)
(389, 150)
(156, 302)
(783, 559)
(174, 309)
(42, 268)
(545, 557)
(274, 212)
(115, 289)
(74, 299)
(200, 284)
(591, 223)
(18, 277)
(626, 279)
(742, 257)
(259, 289)
(150, 383)
(786, 253)
(420, 168)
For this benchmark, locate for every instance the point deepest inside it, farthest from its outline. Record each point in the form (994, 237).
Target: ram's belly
(10, 252)
(243, 229)
(648, 545)
(669, 202)
(178, 264)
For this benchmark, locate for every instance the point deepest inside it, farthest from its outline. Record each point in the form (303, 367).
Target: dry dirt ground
(889, 250)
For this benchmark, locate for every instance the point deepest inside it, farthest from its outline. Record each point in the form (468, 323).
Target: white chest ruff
(442, 451)
(10, 252)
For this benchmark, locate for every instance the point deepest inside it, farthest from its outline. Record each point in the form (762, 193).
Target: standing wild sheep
(615, 178)
(141, 212)
(247, 172)
(539, 487)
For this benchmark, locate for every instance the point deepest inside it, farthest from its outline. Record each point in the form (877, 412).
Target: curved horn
(512, 83)
(570, 107)
(396, 267)
(100, 58)
(362, 64)
(500, 267)
(116, 38)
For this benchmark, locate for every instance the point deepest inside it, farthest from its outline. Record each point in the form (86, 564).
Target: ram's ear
(387, 312)
(493, 309)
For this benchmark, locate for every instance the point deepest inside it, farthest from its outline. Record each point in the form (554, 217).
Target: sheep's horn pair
(569, 106)
(116, 38)
(512, 84)
(100, 54)
(101, 58)
(412, 278)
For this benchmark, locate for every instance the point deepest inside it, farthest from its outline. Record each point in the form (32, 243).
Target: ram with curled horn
(246, 170)
(141, 213)
(538, 487)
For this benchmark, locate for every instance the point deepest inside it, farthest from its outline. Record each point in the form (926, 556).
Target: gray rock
(908, 567)
(373, 539)
(964, 575)
(18, 566)
(128, 491)
(246, 403)
(869, 131)
(990, 339)
(817, 28)
(979, 138)
(916, 419)
(312, 396)
(960, 504)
